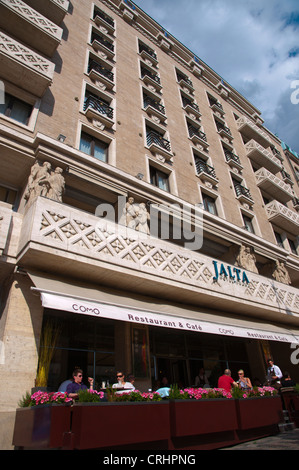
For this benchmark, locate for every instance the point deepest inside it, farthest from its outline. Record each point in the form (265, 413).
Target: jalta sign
(232, 274)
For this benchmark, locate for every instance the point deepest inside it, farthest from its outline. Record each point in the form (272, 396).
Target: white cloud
(252, 44)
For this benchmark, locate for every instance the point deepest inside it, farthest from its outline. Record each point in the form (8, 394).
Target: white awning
(60, 295)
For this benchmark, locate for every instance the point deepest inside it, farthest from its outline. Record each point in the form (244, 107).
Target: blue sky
(252, 44)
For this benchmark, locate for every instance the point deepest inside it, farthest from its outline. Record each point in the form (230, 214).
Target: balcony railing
(104, 17)
(242, 191)
(154, 104)
(147, 73)
(262, 156)
(93, 65)
(187, 102)
(283, 217)
(103, 41)
(203, 167)
(24, 67)
(252, 131)
(232, 157)
(273, 185)
(193, 131)
(98, 105)
(148, 50)
(55, 10)
(29, 26)
(184, 78)
(153, 137)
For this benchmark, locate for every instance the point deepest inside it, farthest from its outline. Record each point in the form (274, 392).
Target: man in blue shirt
(77, 385)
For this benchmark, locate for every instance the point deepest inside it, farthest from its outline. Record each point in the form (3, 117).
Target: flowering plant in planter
(197, 393)
(255, 392)
(44, 398)
(88, 396)
(133, 396)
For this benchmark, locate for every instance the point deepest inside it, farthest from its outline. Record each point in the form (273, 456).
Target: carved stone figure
(57, 185)
(130, 214)
(135, 216)
(246, 259)
(142, 219)
(280, 273)
(44, 182)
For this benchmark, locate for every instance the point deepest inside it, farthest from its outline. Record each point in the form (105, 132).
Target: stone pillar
(20, 328)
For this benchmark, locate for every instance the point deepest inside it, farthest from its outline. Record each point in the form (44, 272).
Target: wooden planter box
(101, 425)
(195, 417)
(41, 427)
(258, 412)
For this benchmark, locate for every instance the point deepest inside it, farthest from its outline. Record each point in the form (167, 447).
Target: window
(7, 195)
(278, 239)
(159, 178)
(209, 204)
(292, 246)
(248, 225)
(16, 109)
(94, 147)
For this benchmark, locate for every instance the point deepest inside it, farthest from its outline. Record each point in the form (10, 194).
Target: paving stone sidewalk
(283, 441)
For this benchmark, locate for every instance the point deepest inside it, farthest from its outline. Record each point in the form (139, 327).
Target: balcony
(232, 159)
(24, 67)
(185, 82)
(157, 144)
(273, 186)
(55, 10)
(103, 45)
(154, 109)
(283, 217)
(151, 79)
(99, 73)
(95, 107)
(243, 194)
(197, 136)
(205, 172)
(29, 26)
(60, 238)
(191, 108)
(252, 131)
(102, 20)
(263, 157)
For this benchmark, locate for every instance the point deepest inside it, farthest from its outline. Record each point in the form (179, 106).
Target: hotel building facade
(145, 211)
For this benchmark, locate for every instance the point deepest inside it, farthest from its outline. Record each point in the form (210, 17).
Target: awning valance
(60, 295)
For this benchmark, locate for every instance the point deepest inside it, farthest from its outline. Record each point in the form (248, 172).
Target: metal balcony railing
(153, 137)
(93, 65)
(155, 104)
(98, 105)
(203, 167)
(148, 73)
(242, 191)
(193, 131)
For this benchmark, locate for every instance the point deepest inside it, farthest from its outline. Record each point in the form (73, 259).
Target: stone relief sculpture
(135, 216)
(246, 259)
(280, 273)
(43, 181)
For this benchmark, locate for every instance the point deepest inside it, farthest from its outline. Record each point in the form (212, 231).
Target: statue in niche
(44, 182)
(135, 216)
(57, 185)
(280, 273)
(142, 219)
(246, 259)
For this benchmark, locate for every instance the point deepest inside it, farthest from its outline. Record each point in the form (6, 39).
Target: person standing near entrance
(226, 382)
(74, 388)
(274, 374)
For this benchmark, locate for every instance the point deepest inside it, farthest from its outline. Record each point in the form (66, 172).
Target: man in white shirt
(274, 373)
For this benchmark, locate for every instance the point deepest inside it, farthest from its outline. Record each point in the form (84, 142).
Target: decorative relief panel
(78, 233)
